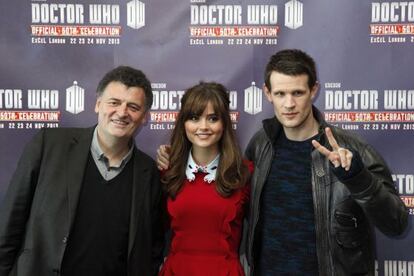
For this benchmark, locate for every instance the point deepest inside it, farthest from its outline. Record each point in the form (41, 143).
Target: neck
(203, 156)
(306, 130)
(114, 150)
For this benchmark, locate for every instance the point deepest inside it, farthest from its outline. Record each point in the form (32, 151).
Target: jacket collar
(75, 163)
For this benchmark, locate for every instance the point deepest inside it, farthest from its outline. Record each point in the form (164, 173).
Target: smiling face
(205, 131)
(121, 111)
(292, 99)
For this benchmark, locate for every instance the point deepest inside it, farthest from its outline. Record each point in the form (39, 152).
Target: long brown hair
(232, 172)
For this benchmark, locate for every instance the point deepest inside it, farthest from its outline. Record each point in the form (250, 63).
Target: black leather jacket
(345, 212)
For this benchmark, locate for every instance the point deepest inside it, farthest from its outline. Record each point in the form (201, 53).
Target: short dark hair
(130, 77)
(292, 62)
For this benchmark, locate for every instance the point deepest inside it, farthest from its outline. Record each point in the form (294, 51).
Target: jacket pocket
(349, 231)
(352, 245)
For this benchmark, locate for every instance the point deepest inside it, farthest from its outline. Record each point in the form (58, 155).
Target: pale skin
(338, 156)
(163, 157)
(292, 100)
(204, 132)
(121, 111)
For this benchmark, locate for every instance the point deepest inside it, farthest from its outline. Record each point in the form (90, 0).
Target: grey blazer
(39, 208)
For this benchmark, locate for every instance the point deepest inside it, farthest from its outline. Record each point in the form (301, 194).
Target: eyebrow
(113, 99)
(289, 91)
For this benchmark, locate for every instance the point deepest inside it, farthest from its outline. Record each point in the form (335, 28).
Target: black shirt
(98, 242)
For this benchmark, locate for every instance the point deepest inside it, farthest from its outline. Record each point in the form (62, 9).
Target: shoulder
(259, 135)
(346, 137)
(141, 158)
(249, 164)
(257, 139)
(66, 132)
(355, 142)
(56, 137)
(256, 144)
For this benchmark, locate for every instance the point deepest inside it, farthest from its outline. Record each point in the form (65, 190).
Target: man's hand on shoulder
(163, 157)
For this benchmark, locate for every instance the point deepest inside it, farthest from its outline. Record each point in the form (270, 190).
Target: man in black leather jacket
(317, 190)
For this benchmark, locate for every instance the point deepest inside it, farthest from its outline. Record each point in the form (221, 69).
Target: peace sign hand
(339, 156)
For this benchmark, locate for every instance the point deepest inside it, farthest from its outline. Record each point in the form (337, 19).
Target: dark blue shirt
(287, 239)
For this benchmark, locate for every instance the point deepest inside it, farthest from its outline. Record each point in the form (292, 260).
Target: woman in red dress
(206, 186)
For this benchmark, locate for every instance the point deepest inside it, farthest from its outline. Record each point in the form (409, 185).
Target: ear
(267, 93)
(98, 102)
(145, 119)
(314, 90)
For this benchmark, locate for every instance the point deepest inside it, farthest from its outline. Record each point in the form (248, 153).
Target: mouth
(290, 114)
(118, 122)
(203, 135)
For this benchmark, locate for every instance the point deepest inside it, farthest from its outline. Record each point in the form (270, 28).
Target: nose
(203, 123)
(122, 109)
(290, 102)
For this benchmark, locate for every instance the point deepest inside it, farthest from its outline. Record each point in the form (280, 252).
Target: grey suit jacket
(39, 208)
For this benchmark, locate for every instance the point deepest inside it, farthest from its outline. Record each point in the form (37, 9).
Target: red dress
(206, 230)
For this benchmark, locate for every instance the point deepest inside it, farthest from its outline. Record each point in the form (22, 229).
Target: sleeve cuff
(355, 169)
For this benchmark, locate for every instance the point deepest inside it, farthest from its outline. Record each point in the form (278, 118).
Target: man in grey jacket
(87, 201)
(317, 190)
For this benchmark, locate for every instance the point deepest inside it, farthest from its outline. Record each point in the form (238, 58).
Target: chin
(119, 134)
(203, 145)
(290, 124)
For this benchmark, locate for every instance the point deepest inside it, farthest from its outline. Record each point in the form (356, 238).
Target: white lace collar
(193, 168)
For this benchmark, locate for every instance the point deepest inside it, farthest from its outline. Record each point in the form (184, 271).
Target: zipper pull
(355, 222)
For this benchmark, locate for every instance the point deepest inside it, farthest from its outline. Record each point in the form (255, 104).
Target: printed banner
(55, 52)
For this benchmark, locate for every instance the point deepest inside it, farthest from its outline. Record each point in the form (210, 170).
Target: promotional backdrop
(53, 53)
